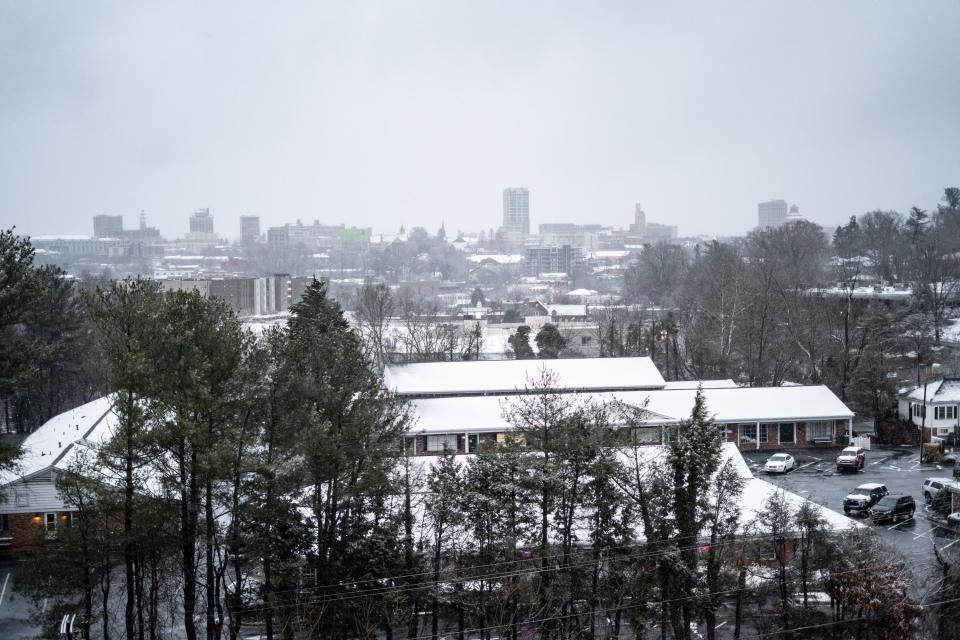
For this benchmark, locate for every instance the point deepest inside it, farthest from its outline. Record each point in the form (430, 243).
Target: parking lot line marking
(720, 625)
(897, 525)
(4, 589)
(805, 465)
(951, 544)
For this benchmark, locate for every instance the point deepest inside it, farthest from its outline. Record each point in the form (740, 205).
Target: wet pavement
(817, 479)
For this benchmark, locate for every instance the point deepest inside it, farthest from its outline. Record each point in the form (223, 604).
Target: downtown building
(516, 211)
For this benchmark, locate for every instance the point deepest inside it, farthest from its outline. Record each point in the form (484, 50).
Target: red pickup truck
(851, 458)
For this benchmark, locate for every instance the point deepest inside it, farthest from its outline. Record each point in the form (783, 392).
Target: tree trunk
(129, 549)
(188, 515)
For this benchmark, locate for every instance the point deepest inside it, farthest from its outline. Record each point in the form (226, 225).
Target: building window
(918, 411)
(410, 445)
(748, 434)
(764, 433)
(585, 341)
(944, 431)
(473, 442)
(945, 413)
(647, 435)
(439, 444)
(50, 523)
(4, 522)
(788, 432)
(820, 430)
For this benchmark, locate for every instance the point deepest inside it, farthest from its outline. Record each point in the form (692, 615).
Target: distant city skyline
(377, 115)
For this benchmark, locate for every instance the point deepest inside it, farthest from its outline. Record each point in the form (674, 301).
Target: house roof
(498, 258)
(706, 384)
(506, 376)
(566, 309)
(55, 443)
(943, 390)
(666, 406)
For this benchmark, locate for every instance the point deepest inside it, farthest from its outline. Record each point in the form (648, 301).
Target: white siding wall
(37, 495)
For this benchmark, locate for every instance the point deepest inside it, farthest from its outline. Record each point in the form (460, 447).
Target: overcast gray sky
(416, 112)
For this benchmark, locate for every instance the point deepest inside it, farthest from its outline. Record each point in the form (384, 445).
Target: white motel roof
(438, 379)
(665, 406)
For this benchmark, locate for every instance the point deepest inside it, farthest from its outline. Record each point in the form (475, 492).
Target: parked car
(851, 458)
(864, 497)
(933, 486)
(780, 463)
(893, 507)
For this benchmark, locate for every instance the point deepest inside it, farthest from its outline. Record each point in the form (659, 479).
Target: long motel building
(459, 406)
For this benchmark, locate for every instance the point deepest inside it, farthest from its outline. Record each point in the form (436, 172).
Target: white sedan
(780, 463)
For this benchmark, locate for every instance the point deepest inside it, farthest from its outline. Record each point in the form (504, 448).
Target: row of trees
(780, 304)
(47, 352)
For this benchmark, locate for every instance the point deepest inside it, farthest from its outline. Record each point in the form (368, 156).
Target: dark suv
(864, 497)
(892, 507)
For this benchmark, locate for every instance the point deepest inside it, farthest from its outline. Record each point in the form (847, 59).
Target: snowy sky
(409, 112)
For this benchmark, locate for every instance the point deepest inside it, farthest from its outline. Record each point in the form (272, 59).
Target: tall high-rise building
(516, 210)
(107, 226)
(771, 213)
(201, 222)
(639, 225)
(249, 229)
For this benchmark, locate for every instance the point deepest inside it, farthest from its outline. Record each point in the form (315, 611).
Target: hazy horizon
(415, 113)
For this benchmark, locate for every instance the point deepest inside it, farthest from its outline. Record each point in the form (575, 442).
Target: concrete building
(660, 232)
(584, 236)
(639, 225)
(553, 259)
(516, 210)
(201, 222)
(771, 213)
(249, 230)
(105, 226)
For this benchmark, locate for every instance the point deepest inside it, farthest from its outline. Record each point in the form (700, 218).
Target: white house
(933, 408)
(30, 505)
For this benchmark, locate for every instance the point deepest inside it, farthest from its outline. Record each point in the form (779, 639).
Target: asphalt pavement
(817, 479)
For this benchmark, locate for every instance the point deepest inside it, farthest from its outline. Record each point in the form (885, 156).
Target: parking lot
(900, 470)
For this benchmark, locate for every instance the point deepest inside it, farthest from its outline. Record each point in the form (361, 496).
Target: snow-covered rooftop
(506, 376)
(563, 310)
(55, 443)
(665, 406)
(938, 391)
(499, 258)
(706, 384)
